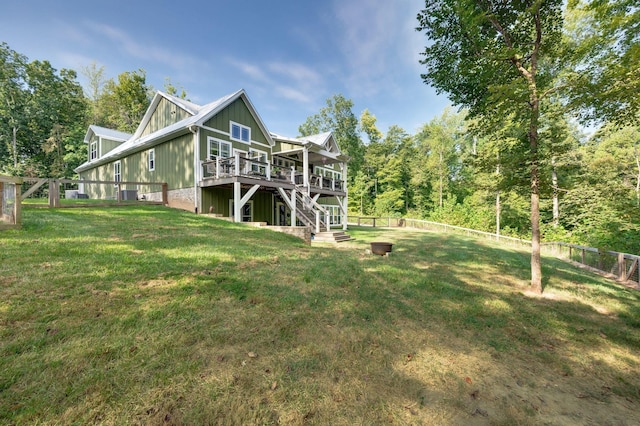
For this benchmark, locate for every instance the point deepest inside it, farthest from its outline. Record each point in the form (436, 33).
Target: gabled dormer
(164, 111)
(101, 141)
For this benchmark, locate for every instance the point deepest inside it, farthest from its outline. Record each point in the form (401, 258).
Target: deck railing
(238, 165)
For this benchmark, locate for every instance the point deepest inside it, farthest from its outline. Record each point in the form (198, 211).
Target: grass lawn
(148, 315)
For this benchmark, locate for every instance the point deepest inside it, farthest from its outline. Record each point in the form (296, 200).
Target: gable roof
(322, 145)
(199, 115)
(324, 140)
(189, 107)
(114, 135)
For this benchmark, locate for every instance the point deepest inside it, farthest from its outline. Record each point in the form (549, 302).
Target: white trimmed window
(117, 168)
(218, 148)
(282, 162)
(246, 213)
(240, 133)
(335, 215)
(260, 156)
(152, 159)
(93, 150)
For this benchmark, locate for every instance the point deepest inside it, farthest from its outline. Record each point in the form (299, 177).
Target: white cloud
(141, 50)
(288, 80)
(299, 73)
(378, 41)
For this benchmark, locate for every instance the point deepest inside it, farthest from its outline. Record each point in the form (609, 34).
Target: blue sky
(290, 56)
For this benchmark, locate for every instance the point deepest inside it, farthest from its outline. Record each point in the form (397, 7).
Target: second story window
(240, 133)
(93, 151)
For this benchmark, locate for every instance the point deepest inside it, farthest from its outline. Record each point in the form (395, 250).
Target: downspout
(196, 166)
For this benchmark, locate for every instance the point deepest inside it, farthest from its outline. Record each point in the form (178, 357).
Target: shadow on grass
(111, 319)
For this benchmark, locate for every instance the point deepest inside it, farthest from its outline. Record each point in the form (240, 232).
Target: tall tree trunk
(14, 143)
(536, 268)
(498, 207)
(554, 184)
(635, 152)
(441, 173)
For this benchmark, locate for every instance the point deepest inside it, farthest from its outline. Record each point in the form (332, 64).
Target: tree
(95, 84)
(338, 118)
(42, 116)
(12, 104)
(486, 55)
(393, 174)
(173, 90)
(438, 143)
(122, 104)
(604, 42)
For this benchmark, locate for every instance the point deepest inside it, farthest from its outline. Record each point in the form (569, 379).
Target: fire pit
(381, 248)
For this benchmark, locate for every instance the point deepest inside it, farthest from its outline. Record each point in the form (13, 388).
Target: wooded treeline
(470, 166)
(45, 113)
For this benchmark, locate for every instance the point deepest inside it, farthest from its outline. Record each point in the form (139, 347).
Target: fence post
(374, 222)
(165, 194)
(622, 270)
(17, 204)
(600, 262)
(54, 193)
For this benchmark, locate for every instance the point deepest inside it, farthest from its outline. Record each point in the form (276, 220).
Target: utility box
(129, 194)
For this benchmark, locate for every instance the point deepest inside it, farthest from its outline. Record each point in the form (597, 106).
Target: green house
(220, 158)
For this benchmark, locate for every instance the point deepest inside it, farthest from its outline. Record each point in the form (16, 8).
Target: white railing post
(237, 165)
(217, 167)
(268, 171)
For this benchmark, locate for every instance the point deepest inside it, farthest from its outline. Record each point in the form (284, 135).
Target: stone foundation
(302, 232)
(177, 198)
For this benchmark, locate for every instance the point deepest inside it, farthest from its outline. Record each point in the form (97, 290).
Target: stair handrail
(317, 209)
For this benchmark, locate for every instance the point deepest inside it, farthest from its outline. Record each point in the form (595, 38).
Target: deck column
(305, 167)
(237, 195)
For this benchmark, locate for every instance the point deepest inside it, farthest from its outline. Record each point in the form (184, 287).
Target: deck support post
(305, 167)
(237, 194)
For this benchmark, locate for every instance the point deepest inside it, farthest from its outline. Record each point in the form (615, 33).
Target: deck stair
(307, 213)
(332, 237)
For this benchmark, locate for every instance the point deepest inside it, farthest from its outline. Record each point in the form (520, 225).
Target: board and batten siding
(237, 112)
(263, 207)
(173, 165)
(104, 146)
(99, 191)
(166, 114)
(107, 146)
